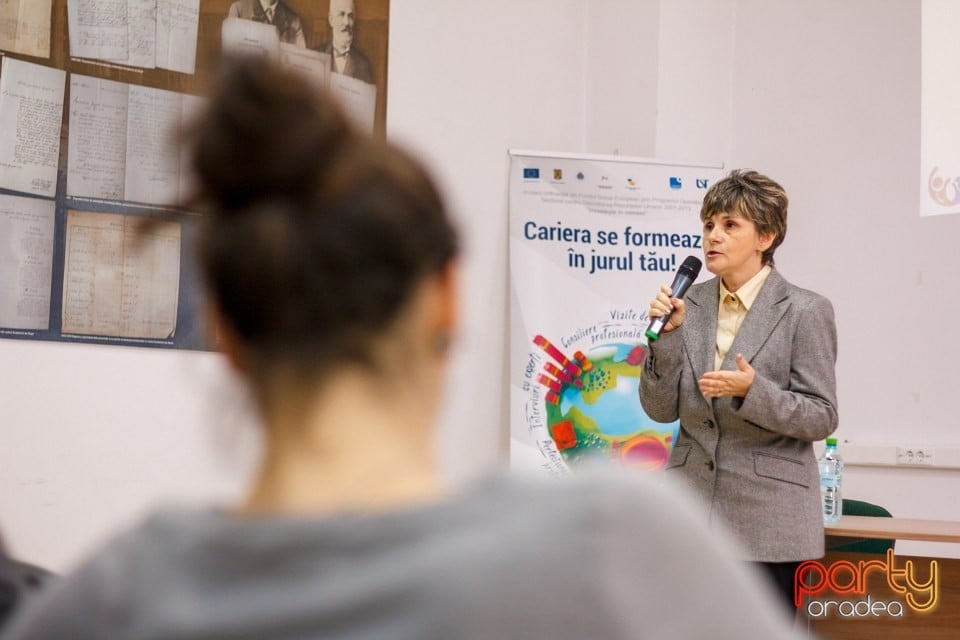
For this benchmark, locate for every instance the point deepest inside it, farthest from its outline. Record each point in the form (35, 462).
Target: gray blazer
(751, 459)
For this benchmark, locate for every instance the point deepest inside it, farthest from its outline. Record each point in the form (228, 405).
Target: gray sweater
(596, 556)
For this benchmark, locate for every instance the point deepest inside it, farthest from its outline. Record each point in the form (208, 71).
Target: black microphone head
(691, 266)
(686, 274)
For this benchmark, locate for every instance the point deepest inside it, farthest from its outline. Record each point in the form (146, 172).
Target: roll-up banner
(592, 238)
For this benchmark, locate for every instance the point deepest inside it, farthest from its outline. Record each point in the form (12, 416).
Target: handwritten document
(97, 138)
(98, 29)
(122, 142)
(159, 34)
(152, 158)
(141, 34)
(357, 97)
(178, 23)
(118, 282)
(31, 110)
(26, 261)
(25, 27)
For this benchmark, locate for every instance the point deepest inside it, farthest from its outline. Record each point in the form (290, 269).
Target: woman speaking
(746, 363)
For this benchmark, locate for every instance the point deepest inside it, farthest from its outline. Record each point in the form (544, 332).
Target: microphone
(686, 274)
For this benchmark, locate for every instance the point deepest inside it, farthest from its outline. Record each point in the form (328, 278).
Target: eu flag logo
(531, 173)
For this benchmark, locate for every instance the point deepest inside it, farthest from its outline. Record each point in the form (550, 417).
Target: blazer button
(710, 465)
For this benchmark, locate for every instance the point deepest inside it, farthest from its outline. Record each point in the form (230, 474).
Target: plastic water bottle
(831, 474)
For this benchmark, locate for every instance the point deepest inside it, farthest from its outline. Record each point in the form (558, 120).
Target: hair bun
(316, 235)
(266, 134)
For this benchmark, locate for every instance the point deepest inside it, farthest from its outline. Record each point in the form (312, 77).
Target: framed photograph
(342, 44)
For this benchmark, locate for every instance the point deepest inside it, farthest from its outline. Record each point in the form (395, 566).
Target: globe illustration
(597, 417)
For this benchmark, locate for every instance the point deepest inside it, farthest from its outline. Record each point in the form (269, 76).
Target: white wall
(92, 436)
(822, 95)
(695, 81)
(621, 53)
(491, 77)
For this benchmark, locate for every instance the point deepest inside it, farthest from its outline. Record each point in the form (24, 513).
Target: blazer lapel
(700, 336)
(764, 315)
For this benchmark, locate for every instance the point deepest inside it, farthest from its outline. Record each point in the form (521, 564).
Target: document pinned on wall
(118, 281)
(97, 138)
(178, 23)
(141, 34)
(148, 34)
(152, 159)
(122, 142)
(31, 110)
(98, 29)
(26, 261)
(25, 27)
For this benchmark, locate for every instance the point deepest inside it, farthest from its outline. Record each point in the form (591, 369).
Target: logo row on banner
(557, 176)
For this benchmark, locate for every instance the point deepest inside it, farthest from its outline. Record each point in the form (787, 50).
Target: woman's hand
(718, 384)
(664, 304)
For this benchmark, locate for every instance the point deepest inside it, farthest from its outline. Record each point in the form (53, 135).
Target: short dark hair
(754, 196)
(314, 235)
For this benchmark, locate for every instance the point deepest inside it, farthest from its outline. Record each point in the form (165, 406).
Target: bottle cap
(831, 442)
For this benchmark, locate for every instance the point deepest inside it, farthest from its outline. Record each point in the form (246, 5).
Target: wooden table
(895, 528)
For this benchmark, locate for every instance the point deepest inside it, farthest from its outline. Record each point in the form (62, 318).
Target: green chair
(861, 545)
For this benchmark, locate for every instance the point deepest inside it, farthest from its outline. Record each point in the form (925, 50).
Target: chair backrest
(868, 545)
(861, 508)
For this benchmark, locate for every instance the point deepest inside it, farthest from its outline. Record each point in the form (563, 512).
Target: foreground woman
(331, 268)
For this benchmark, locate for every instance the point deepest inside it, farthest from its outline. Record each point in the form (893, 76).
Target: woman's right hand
(664, 304)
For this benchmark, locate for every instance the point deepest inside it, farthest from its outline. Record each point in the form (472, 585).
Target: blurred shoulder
(595, 495)
(103, 589)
